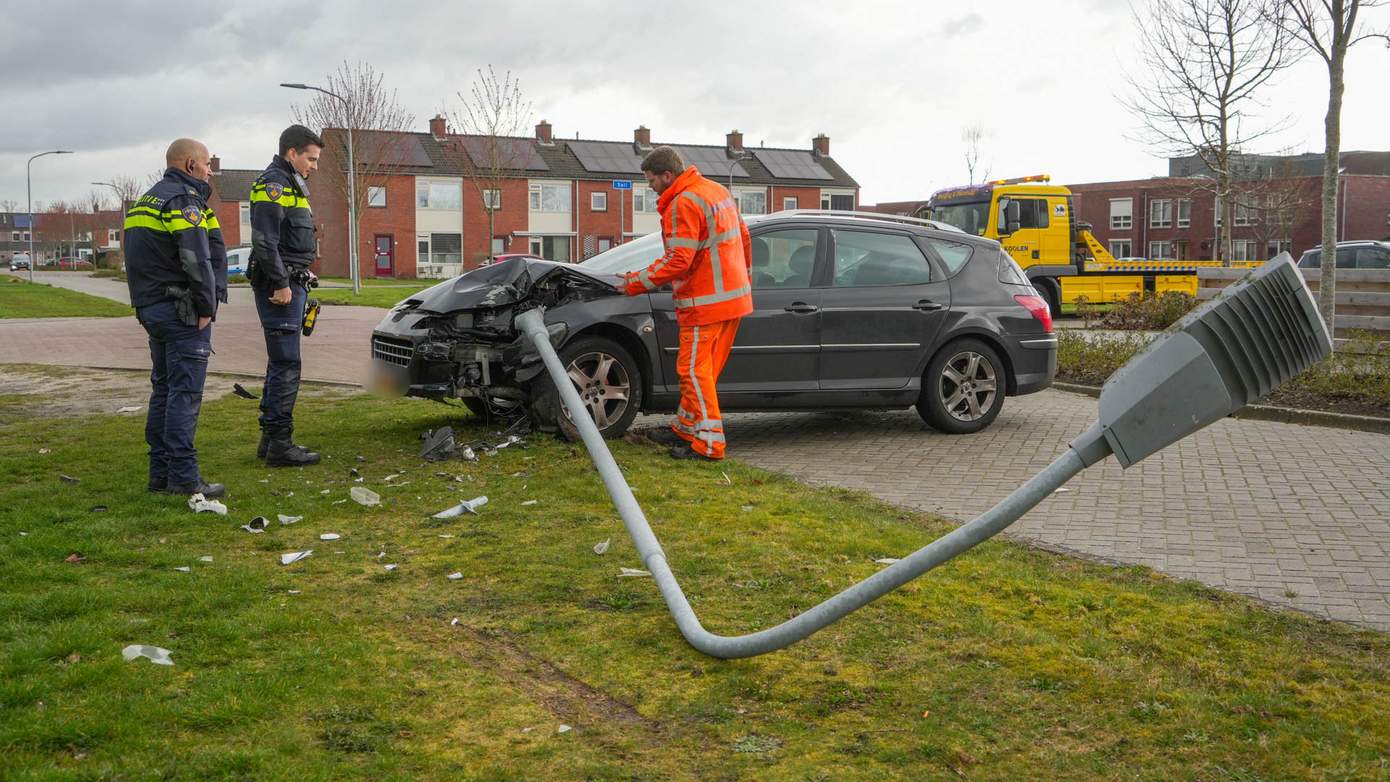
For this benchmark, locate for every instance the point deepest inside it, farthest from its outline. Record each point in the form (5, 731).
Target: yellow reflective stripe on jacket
(288, 198)
(145, 221)
(210, 220)
(168, 222)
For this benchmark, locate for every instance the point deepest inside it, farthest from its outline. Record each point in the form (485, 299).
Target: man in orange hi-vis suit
(707, 258)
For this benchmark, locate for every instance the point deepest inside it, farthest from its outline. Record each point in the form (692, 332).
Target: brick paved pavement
(1237, 506)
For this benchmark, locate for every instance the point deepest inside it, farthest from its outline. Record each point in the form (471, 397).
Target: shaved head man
(189, 156)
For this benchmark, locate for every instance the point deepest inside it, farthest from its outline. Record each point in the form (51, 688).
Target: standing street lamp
(355, 273)
(29, 192)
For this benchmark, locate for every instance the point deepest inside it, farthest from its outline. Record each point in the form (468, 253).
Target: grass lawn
(23, 299)
(374, 295)
(1009, 663)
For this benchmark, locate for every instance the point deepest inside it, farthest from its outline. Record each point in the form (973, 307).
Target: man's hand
(281, 296)
(203, 322)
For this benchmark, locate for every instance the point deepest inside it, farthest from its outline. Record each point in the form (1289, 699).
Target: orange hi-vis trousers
(704, 351)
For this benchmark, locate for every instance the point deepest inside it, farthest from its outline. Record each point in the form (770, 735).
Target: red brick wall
(1367, 208)
(229, 218)
(512, 217)
(396, 219)
(602, 225)
(806, 197)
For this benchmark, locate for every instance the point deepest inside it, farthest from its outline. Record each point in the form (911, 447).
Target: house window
(1121, 212)
(110, 235)
(550, 198)
(551, 248)
(788, 202)
(1243, 250)
(643, 199)
(604, 244)
(446, 248)
(1161, 214)
(376, 196)
(26, 236)
(1275, 246)
(1184, 212)
(1181, 250)
(437, 195)
(598, 202)
(1122, 248)
(1160, 250)
(499, 245)
(14, 236)
(752, 202)
(244, 219)
(492, 199)
(1244, 214)
(840, 202)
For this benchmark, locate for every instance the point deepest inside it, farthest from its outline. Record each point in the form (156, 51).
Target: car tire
(585, 358)
(1051, 291)
(957, 374)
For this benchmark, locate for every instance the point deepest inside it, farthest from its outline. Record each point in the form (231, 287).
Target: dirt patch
(33, 391)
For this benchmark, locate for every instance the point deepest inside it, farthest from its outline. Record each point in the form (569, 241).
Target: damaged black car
(852, 311)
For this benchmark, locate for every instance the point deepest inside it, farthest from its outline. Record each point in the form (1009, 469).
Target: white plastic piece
(130, 409)
(154, 654)
(602, 548)
(184, 569)
(364, 496)
(632, 572)
(885, 561)
(455, 576)
(389, 568)
(200, 504)
(471, 506)
(563, 729)
(288, 519)
(329, 536)
(205, 559)
(294, 556)
(529, 503)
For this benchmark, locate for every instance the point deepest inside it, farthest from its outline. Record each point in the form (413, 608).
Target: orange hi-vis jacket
(708, 253)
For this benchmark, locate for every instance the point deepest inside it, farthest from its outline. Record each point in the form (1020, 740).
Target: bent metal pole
(1087, 450)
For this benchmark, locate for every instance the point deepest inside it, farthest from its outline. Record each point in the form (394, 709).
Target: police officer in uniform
(176, 268)
(282, 247)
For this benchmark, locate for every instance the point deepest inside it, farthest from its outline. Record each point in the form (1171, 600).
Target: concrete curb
(1284, 415)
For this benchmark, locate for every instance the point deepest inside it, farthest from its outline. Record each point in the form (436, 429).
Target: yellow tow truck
(1036, 224)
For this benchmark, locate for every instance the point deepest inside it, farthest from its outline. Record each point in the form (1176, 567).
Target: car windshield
(636, 254)
(970, 218)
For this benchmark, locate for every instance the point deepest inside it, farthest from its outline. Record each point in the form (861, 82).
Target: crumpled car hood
(500, 284)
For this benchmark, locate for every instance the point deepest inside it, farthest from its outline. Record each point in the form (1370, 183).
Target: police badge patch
(193, 215)
(274, 190)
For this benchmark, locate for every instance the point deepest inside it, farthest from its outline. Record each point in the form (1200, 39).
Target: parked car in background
(852, 310)
(237, 258)
(19, 261)
(1363, 254)
(500, 258)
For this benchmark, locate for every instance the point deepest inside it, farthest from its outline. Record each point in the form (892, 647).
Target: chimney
(215, 163)
(734, 141)
(820, 145)
(642, 137)
(543, 133)
(438, 127)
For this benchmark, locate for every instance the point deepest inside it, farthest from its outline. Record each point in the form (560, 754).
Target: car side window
(784, 259)
(864, 258)
(1372, 258)
(953, 254)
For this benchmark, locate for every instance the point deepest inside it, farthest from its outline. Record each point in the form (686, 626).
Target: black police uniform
(282, 247)
(176, 268)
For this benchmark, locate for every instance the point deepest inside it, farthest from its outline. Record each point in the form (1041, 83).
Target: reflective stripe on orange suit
(708, 256)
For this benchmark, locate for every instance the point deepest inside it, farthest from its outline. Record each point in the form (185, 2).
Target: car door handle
(927, 305)
(802, 308)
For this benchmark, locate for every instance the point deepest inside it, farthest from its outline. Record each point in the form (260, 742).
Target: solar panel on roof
(509, 153)
(600, 156)
(791, 164)
(710, 161)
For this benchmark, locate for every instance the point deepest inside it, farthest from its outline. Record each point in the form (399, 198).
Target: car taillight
(1038, 307)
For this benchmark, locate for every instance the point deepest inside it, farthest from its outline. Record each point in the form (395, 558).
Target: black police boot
(265, 442)
(664, 435)
(282, 452)
(209, 490)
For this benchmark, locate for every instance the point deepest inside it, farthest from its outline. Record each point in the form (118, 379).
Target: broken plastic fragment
(329, 536)
(454, 622)
(243, 393)
(294, 556)
(154, 654)
(393, 476)
(727, 480)
(288, 519)
(602, 548)
(1061, 490)
(354, 472)
(439, 444)
(468, 455)
(99, 509)
(45, 450)
(256, 525)
(326, 491)
(68, 478)
(205, 559)
(389, 568)
(294, 591)
(563, 729)
(130, 409)
(200, 504)
(72, 559)
(528, 503)
(470, 506)
(184, 569)
(632, 572)
(886, 561)
(364, 496)
(455, 576)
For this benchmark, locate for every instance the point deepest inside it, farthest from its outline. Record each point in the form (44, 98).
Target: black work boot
(265, 442)
(664, 435)
(282, 452)
(209, 490)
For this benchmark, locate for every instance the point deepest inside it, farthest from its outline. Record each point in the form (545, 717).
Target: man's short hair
(663, 160)
(299, 138)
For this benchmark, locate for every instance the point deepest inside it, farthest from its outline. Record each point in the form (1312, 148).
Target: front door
(385, 263)
(881, 312)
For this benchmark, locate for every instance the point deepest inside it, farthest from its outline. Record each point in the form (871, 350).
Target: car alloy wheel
(603, 385)
(968, 385)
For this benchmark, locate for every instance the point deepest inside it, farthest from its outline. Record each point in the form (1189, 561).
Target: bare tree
(95, 200)
(9, 205)
(1327, 28)
(1272, 206)
(1204, 62)
(491, 116)
(972, 135)
(376, 118)
(128, 187)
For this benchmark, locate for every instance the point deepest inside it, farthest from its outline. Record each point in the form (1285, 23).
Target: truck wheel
(1051, 291)
(963, 388)
(608, 380)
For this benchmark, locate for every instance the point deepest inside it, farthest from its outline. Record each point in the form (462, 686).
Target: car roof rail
(889, 218)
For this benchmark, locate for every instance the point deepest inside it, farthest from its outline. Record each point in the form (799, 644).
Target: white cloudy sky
(891, 83)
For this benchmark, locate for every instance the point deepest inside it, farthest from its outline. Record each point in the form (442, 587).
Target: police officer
(176, 268)
(282, 247)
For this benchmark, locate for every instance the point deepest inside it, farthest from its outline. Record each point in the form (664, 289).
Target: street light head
(1254, 336)
(295, 86)
(62, 152)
